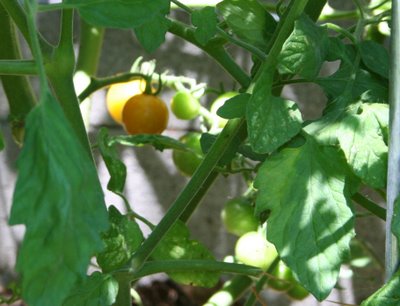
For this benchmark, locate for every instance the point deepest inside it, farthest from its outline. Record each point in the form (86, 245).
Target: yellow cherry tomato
(118, 94)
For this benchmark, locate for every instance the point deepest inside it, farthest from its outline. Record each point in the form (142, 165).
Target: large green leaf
(271, 121)
(59, 199)
(178, 245)
(305, 49)
(311, 223)
(388, 295)
(121, 240)
(127, 14)
(151, 34)
(205, 20)
(95, 290)
(249, 20)
(115, 166)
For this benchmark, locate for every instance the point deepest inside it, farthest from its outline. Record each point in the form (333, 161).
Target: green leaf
(58, 198)
(159, 142)
(234, 107)
(249, 20)
(375, 57)
(311, 222)
(121, 240)
(126, 14)
(388, 295)
(305, 50)
(95, 290)
(178, 245)
(361, 132)
(205, 20)
(361, 138)
(151, 34)
(115, 166)
(1, 141)
(271, 121)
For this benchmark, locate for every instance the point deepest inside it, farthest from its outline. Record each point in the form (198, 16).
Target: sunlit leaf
(58, 198)
(178, 245)
(305, 50)
(121, 240)
(311, 221)
(249, 20)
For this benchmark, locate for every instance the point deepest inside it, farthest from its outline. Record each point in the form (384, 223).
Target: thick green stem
(124, 291)
(190, 191)
(60, 72)
(393, 185)
(17, 88)
(17, 67)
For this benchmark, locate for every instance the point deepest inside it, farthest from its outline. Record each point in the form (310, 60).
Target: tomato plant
(238, 217)
(185, 106)
(308, 175)
(187, 162)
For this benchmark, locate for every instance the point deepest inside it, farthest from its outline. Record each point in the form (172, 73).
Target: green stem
(342, 31)
(393, 185)
(190, 191)
(372, 207)
(230, 292)
(124, 291)
(17, 88)
(91, 40)
(213, 48)
(17, 67)
(60, 72)
(153, 267)
(19, 17)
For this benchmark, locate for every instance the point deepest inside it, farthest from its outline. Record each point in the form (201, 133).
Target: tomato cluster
(137, 111)
(252, 248)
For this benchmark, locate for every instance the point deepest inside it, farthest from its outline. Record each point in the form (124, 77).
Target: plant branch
(18, 67)
(372, 207)
(192, 265)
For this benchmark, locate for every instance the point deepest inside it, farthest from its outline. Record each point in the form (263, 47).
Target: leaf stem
(18, 67)
(153, 267)
(372, 207)
(342, 31)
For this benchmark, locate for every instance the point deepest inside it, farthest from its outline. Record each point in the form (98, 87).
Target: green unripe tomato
(298, 292)
(254, 250)
(238, 217)
(187, 162)
(282, 278)
(185, 106)
(218, 103)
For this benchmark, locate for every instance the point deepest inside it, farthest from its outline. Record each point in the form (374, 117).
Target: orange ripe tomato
(145, 114)
(118, 94)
